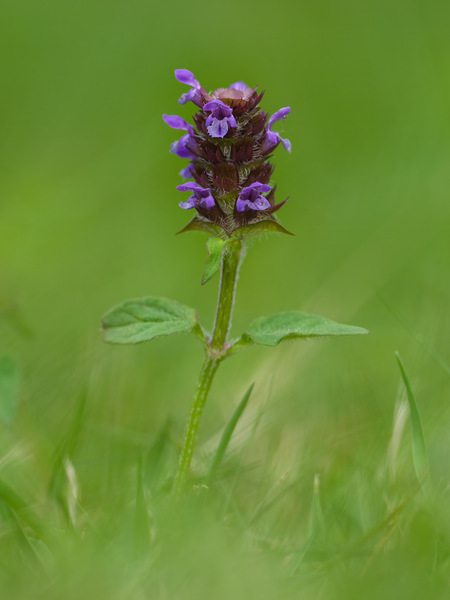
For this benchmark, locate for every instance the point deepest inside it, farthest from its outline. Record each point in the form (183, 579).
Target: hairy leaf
(143, 319)
(270, 331)
(198, 224)
(266, 226)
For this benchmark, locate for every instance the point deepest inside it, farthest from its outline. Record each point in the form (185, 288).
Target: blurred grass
(88, 209)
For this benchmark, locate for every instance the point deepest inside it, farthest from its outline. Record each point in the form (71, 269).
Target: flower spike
(228, 150)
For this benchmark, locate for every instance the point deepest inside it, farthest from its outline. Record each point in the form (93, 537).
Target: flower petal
(185, 76)
(191, 186)
(280, 114)
(286, 144)
(218, 128)
(190, 203)
(260, 203)
(260, 187)
(239, 85)
(218, 108)
(241, 205)
(207, 202)
(176, 122)
(179, 147)
(186, 173)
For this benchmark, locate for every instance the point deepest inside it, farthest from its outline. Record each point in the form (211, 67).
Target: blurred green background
(88, 212)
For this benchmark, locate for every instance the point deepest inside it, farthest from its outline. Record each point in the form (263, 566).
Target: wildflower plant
(229, 149)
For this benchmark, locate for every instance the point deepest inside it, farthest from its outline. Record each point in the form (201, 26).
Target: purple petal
(185, 76)
(218, 128)
(280, 114)
(241, 205)
(187, 172)
(286, 144)
(239, 85)
(191, 186)
(190, 203)
(187, 96)
(208, 202)
(260, 187)
(219, 107)
(260, 203)
(176, 122)
(179, 147)
(273, 136)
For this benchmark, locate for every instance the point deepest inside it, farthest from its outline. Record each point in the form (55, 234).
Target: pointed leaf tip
(271, 330)
(266, 226)
(198, 224)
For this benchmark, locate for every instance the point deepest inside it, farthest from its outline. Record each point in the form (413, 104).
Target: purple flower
(177, 122)
(186, 173)
(250, 197)
(200, 197)
(272, 137)
(220, 119)
(185, 76)
(179, 147)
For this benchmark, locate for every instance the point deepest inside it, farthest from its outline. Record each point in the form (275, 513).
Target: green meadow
(335, 483)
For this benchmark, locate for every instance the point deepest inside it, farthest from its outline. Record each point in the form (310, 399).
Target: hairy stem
(215, 353)
(228, 280)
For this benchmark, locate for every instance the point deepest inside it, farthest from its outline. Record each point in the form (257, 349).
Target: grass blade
(226, 436)
(419, 449)
(141, 520)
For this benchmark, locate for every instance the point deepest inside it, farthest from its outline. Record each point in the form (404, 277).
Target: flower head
(229, 149)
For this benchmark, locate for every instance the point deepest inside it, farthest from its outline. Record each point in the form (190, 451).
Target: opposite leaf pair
(141, 320)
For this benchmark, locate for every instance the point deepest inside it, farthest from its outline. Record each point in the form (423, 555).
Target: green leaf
(198, 224)
(143, 319)
(215, 248)
(9, 389)
(419, 449)
(266, 226)
(270, 331)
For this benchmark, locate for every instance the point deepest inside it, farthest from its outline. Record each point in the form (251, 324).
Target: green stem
(215, 353)
(228, 280)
